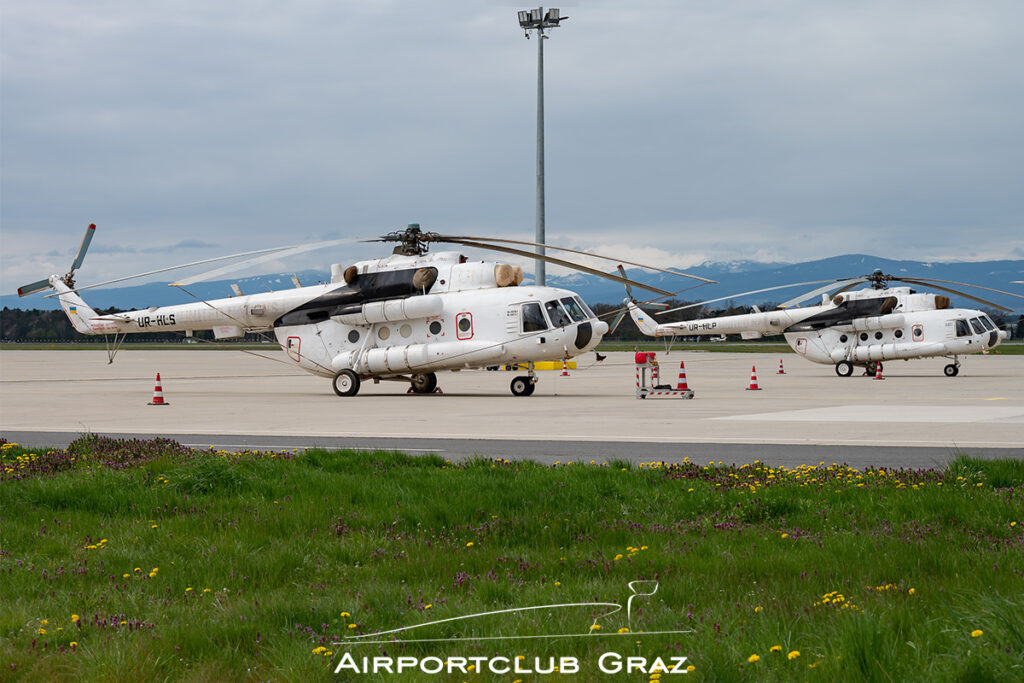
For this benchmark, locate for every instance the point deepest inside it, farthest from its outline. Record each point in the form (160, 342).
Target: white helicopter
(856, 328)
(402, 317)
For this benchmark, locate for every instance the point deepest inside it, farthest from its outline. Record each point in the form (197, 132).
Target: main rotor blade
(958, 293)
(164, 270)
(733, 296)
(444, 238)
(34, 287)
(821, 290)
(84, 247)
(281, 253)
(962, 284)
(559, 262)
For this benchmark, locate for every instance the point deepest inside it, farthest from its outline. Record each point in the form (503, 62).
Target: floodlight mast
(538, 20)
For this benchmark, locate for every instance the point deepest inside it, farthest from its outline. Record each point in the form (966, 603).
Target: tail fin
(643, 321)
(77, 311)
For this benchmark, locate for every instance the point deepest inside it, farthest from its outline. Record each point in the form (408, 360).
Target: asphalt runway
(916, 417)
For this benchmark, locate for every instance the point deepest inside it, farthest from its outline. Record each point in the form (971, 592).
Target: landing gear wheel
(423, 383)
(951, 370)
(346, 383)
(844, 368)
(872, 368)
(521, 386)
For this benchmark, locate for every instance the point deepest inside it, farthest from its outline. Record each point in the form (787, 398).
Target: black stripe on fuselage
(389, 284)
(845, 313)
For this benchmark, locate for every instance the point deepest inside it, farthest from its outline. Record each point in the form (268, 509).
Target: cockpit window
(962, 328)
(584, 306)
(989, 325)
(533, 318)
(978, 327)
(557, 314)
(574, 309)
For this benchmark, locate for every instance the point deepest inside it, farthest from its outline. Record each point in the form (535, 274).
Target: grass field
(1006, 348)
(149, 561)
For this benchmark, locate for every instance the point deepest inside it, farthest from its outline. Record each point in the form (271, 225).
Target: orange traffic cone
(158, 394)
(682, 378)
(565, 369)
(878, 371)
(753, 380)
(781, 371)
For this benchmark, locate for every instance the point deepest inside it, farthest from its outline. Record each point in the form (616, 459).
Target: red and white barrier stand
(781, 371)
(878, 370)
(753, 380)
(647, 361)
(565, 368)
(158, 394)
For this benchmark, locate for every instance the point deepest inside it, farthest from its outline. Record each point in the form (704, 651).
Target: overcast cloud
(676, 131)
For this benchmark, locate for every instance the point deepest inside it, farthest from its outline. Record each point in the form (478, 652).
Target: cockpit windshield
(557, 314)
(574, 309)
(978, 327)
(584, 306)
(987, 323)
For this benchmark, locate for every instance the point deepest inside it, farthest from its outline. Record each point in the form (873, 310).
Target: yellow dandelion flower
(785, 535)
(753, 658)
(345, 614)
(45, 622)
(776, 648)
(74, 617)
(558, 583)
(153, 527)
(623, 630)
(73, 643)
(351, 625)
(41, 631)
(428, 605)
(595, 627)
(911, 591)
(977, 633)
(758, 609)
(793, 655)
(470, 544)
(125, 576)
(691, 668)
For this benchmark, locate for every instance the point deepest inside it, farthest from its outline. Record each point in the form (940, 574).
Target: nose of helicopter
(600, 328)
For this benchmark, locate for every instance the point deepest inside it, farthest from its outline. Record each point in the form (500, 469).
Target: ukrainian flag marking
(72, 310)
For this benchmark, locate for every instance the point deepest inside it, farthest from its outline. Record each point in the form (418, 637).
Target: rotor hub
(412, 241)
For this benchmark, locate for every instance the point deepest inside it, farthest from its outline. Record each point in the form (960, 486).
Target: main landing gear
(524, 384)
(346, 383)
(423, 382)
(844, 368)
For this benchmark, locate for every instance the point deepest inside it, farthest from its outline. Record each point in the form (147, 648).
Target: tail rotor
(69, 277)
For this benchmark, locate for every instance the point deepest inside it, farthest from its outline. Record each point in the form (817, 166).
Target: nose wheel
(522, 386)
(952, 370)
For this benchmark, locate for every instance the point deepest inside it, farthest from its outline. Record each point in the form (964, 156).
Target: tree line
(17, 325)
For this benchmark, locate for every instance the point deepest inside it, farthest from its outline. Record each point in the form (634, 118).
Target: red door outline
(917, 333)
(293, 345)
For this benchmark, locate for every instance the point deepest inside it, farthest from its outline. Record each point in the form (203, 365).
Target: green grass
(239, 566)
(1006, 348)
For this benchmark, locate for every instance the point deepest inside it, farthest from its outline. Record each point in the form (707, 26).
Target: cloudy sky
(676, 131)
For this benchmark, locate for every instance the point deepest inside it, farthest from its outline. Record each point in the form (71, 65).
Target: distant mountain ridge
(733, 277)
